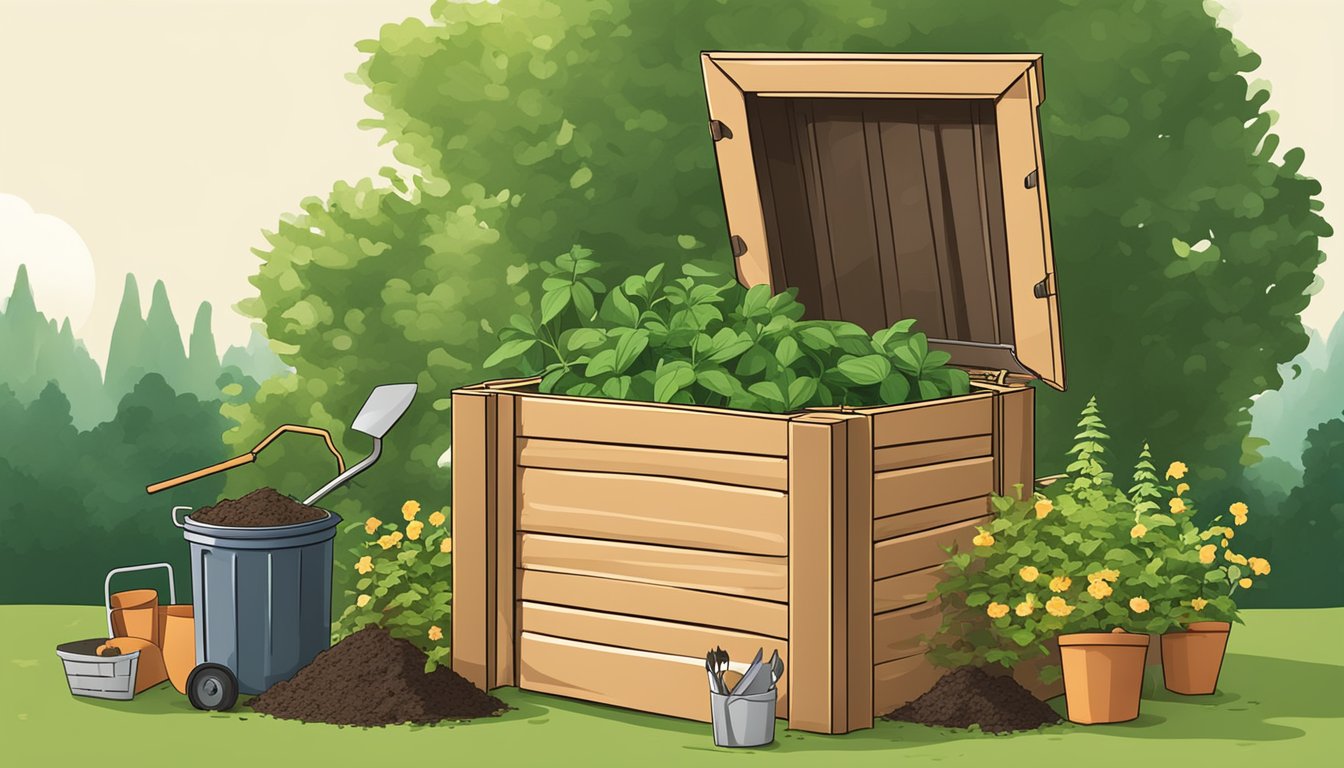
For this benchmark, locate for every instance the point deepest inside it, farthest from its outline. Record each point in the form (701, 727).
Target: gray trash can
(743, 720)
(262, 597)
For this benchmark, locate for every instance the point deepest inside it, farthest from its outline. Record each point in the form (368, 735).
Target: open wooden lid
(892, 186)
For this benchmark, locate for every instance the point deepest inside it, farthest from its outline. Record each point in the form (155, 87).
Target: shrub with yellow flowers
(404, 579)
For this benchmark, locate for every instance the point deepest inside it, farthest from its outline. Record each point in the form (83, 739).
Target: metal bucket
(100, 677)
(743, 720)
(262, 597)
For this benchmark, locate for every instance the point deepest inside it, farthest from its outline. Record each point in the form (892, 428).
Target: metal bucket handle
(107, 584)
(173, 515)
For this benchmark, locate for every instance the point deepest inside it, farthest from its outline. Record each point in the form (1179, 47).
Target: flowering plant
(404, 583)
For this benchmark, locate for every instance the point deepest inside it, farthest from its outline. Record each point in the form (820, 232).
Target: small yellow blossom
(1025, 608)
(996, 610)
(413, 529)
(1239, 511)
(1177, 506)
(395, 536)
(1106, 574)
(1177, 470)
(1099, 589)
(362, 600)
(1138, 604)
(410, 509)
(365, 564)
(1043, 508)
(1244, 583)
(386, 541)
(1229, 533)
(435, 633)
(1029, 573)
(1233, 557)
(1060, 584)
(1198, 603)
(371, 525)
(436, 518)
(1259, 566)
(1138, 531)
(983, 539)
(1057, 606)
(446, 545)
(1224, 543)
(1181, 488)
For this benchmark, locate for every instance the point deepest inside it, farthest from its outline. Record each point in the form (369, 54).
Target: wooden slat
(858, 570)
(898, 682)
(642, 634)
(920, 454)
(652, 425)
(932, 420)
(474, 510)
(654, 510)
(505, 602)
(731, 468)
(921, 550)
(904, 632)
(902, 591)
(962, 79)
(906, 489)
(757, 617)
(651, 682)
(906, 523)
(754, 576)
(1015, 436)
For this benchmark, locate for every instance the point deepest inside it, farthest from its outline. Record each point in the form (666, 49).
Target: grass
(1280, 702)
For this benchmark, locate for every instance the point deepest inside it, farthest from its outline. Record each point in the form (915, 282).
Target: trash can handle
(173, 515)
(107, 585)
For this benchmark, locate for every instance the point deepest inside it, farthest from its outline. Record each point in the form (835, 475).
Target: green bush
(704, 339)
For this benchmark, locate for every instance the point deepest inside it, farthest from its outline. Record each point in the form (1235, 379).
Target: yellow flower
(435, 633)
(386, 541)
(413, 529)
(1106, 574)
(1198, 603)
(1207, 553)
(1043, 508)
(1229, 533)
(1138, 531)
(1259, 566)
(371, 525)
(1224, 543)
(1099, 589)
(446, 545)
(1056, 606)
(1177, 470)
(410, 509)
(436, 518)
(996, 610)
(1060, 584)
(1138, 605)
(1177, 506)
(1239, 512)
(1181, 488)
(1233, 557)
(362, 600)
(1029, 573)
(365, 564)
(1244, 583)
(983, 539)
(1025, 608)
(395, 536)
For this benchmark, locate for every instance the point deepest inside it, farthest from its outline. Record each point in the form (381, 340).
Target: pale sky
(168, 133)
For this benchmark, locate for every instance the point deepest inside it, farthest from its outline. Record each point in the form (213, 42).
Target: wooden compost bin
(603, 546)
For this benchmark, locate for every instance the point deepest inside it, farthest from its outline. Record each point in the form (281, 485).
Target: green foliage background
(531, 125)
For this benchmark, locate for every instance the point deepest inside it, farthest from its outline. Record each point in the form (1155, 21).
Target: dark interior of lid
(879, 210)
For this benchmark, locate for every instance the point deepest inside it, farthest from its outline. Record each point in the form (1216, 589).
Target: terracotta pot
(1103, 675)
(1192, 659)
(135, 614)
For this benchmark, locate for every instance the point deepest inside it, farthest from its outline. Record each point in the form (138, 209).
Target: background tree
(1308, 571)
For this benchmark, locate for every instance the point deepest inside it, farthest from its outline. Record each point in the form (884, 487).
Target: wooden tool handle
(236, 461)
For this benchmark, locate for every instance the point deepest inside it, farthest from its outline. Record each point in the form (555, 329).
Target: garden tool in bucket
(262, 595)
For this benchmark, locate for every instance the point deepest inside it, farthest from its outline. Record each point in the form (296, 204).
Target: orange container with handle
(165, 634)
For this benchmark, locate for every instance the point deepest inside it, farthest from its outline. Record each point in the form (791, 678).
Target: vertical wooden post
(474, 536)
(830, 573)
(505, 600)
(1015, 440)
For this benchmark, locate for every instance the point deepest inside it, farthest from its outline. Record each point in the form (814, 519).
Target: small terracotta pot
(1103, 675)
(1192, 659)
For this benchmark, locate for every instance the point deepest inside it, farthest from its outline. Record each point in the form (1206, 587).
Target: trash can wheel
(212, 687)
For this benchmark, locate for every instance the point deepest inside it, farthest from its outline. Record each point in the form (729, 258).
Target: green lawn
(1281, 703)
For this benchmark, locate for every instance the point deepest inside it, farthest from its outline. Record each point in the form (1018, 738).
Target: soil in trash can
(970, 696)
(371, 678)
(262, 508)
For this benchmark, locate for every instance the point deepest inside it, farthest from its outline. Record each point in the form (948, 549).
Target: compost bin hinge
(1032, 179)
(994, 377)
(1046, 287)
(718, 131)
(738, 245)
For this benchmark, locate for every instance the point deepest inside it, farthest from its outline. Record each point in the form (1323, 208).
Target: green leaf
(671, 379)
(801, 391)
(868, 369)
(584, 338)
(718, 381)
(508, 351)
(617, 387)
(1024, 637)
(628, 348)
(768, 390)
(753, 304)
(894, 389)
(816, 337)
(583, 301)
(602, 362)
(787, 352)
(553, 303)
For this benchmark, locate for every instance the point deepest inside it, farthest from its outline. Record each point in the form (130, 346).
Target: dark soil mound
(262, 508)
(371, 678)
(970, 696)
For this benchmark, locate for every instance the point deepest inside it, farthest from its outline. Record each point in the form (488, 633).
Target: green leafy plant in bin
(702, 338)
(404, 580)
